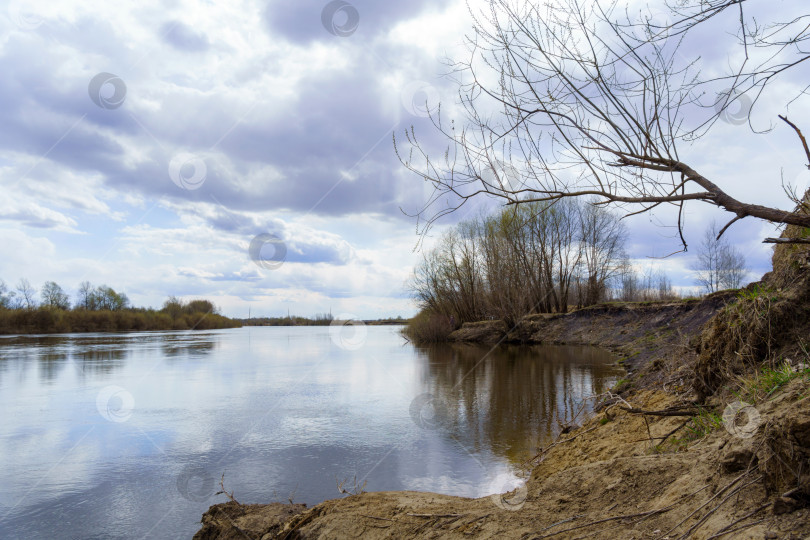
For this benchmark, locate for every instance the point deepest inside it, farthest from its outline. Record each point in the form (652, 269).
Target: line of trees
(534, 257)
(543, 257)
(97, 309)
(648, 286)
(52, 295)
(319, 319)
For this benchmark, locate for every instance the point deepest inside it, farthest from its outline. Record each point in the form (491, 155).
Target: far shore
(115, 323)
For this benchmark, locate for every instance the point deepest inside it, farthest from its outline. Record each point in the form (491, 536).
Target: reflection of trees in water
(174, 345)
(101, 359)
(50, 364)
(513, 400)
(96, 353)
(45, 354)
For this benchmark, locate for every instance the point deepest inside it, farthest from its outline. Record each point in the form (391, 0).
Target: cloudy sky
(147, 145)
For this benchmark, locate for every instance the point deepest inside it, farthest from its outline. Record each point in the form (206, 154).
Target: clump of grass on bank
(702, 424)
(428, 327)
(697, 427)
(622, 385)
(762, 385)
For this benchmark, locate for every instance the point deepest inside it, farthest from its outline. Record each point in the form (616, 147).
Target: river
(129, 435)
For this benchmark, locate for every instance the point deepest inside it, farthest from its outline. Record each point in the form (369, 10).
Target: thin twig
(725, 530)
(672, 411)
(743, 475)
(647, 423)
(741, 527)
(223, 491)
(665, 437)
(435, 515)
(572, 518)
(801, 137)
(713, 510)
(614, 518)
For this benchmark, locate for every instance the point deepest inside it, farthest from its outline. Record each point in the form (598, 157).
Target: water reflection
(101, 361)
(50, 364)
(514, 399)
(114, 429)
(173, 346)
(97, 354)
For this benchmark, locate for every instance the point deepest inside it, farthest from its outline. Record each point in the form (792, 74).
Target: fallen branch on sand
(670, 411)
(434, 515)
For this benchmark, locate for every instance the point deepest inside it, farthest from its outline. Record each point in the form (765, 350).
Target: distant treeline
(321, 319)
(98, 309)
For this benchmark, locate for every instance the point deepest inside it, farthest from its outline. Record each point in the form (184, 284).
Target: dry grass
(427, 327)
(759, 329)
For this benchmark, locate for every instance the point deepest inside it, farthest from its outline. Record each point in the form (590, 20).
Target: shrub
(428, 327)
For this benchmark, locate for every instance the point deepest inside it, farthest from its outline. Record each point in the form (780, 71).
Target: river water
(128, 435)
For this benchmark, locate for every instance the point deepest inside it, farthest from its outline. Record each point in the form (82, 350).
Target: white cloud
(293, 126)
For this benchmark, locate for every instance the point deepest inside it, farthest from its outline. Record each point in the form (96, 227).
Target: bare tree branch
(575, 99)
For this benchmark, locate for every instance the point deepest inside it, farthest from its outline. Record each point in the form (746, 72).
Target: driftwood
(671, 411)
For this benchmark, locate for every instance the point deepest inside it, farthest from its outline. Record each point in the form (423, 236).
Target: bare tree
(770, 47)
(6, 298)
(27, 294)
(100, 298)
(650, 284)
(584, 100)
(665, 287)
(53, 296)
(86, 298)
(732, 268)
(628, 281)
(719, 265)
(602, 244)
